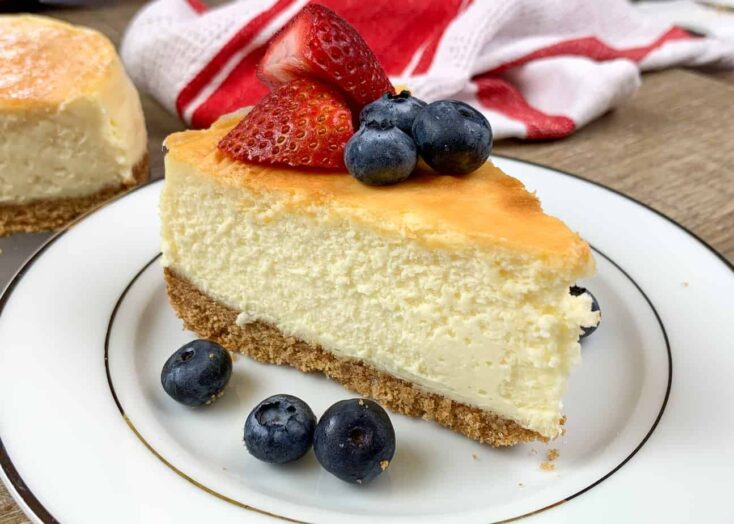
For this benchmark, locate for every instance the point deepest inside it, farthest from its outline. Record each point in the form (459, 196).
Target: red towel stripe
(241, 88)
(393, 41)
(197, 5)
(241, 39)
(595, 49)
(499, 95)
(432, 44)
(397, 36)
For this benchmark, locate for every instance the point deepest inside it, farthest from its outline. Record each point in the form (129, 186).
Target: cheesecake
(71, 122)
(442, 297)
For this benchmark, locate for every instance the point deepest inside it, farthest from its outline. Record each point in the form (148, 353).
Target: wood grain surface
(671, 146)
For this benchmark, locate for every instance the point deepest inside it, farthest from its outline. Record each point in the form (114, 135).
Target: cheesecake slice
(72, 127)
(441, 297)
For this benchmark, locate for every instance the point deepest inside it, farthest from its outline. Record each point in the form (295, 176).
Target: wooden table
(671, 146)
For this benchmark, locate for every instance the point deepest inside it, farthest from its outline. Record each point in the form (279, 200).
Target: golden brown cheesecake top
(45, 61)
(485, 207)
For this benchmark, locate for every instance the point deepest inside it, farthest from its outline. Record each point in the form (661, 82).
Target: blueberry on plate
(280, 429)
(380, 154)
(399, 110)
(197, 373)
(354, 440)
(577, 291)
(452, 137)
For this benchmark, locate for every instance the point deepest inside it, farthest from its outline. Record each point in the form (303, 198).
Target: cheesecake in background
(72, 127)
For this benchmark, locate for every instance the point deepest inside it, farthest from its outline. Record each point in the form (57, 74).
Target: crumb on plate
(216, 396)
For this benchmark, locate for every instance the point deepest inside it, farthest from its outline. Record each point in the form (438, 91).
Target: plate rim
(25, 498)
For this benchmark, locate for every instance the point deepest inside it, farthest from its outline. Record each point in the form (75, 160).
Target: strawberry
(318, 43)
(302, 123)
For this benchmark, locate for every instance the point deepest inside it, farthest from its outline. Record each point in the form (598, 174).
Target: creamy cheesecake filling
(491, 329)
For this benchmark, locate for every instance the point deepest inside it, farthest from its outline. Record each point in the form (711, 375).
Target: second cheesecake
(73, 133)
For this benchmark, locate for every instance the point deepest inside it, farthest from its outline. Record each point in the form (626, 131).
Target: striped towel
(538, 69)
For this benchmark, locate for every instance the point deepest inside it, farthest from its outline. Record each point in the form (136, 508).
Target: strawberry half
(302, 123)
(318, 43)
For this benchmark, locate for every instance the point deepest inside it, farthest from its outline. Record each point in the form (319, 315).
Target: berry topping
(280, 429)
(197, 373)
(317, 43)
(302, 123)
(354, 440)
(577, 291)
(400, 110)
(380, 154)
(452, 137)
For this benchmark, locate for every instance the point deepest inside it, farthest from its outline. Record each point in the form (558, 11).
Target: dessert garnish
(400, 110)
(302, 123)
(319, 69)
(197, 373)
(280, 429)
(587, 330)
(354, 440)
(322, 74)
(380, 154)
(317, 43)
(452, 137)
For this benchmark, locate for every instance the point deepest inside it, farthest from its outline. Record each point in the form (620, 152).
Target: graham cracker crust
(265, 343)
(44, 215)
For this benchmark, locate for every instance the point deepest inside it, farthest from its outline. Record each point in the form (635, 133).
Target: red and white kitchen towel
(538, 69)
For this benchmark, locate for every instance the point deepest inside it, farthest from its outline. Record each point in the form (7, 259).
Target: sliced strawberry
(302, 123)
(318, 43)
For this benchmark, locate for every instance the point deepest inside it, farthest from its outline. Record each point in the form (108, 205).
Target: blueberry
(354, 440)
(399, 110)
(280, 429)
(576, 291)
(452, 137)
(380, 154)
(197, 373)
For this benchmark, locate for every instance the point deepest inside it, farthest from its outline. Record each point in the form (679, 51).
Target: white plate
(89, 436)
